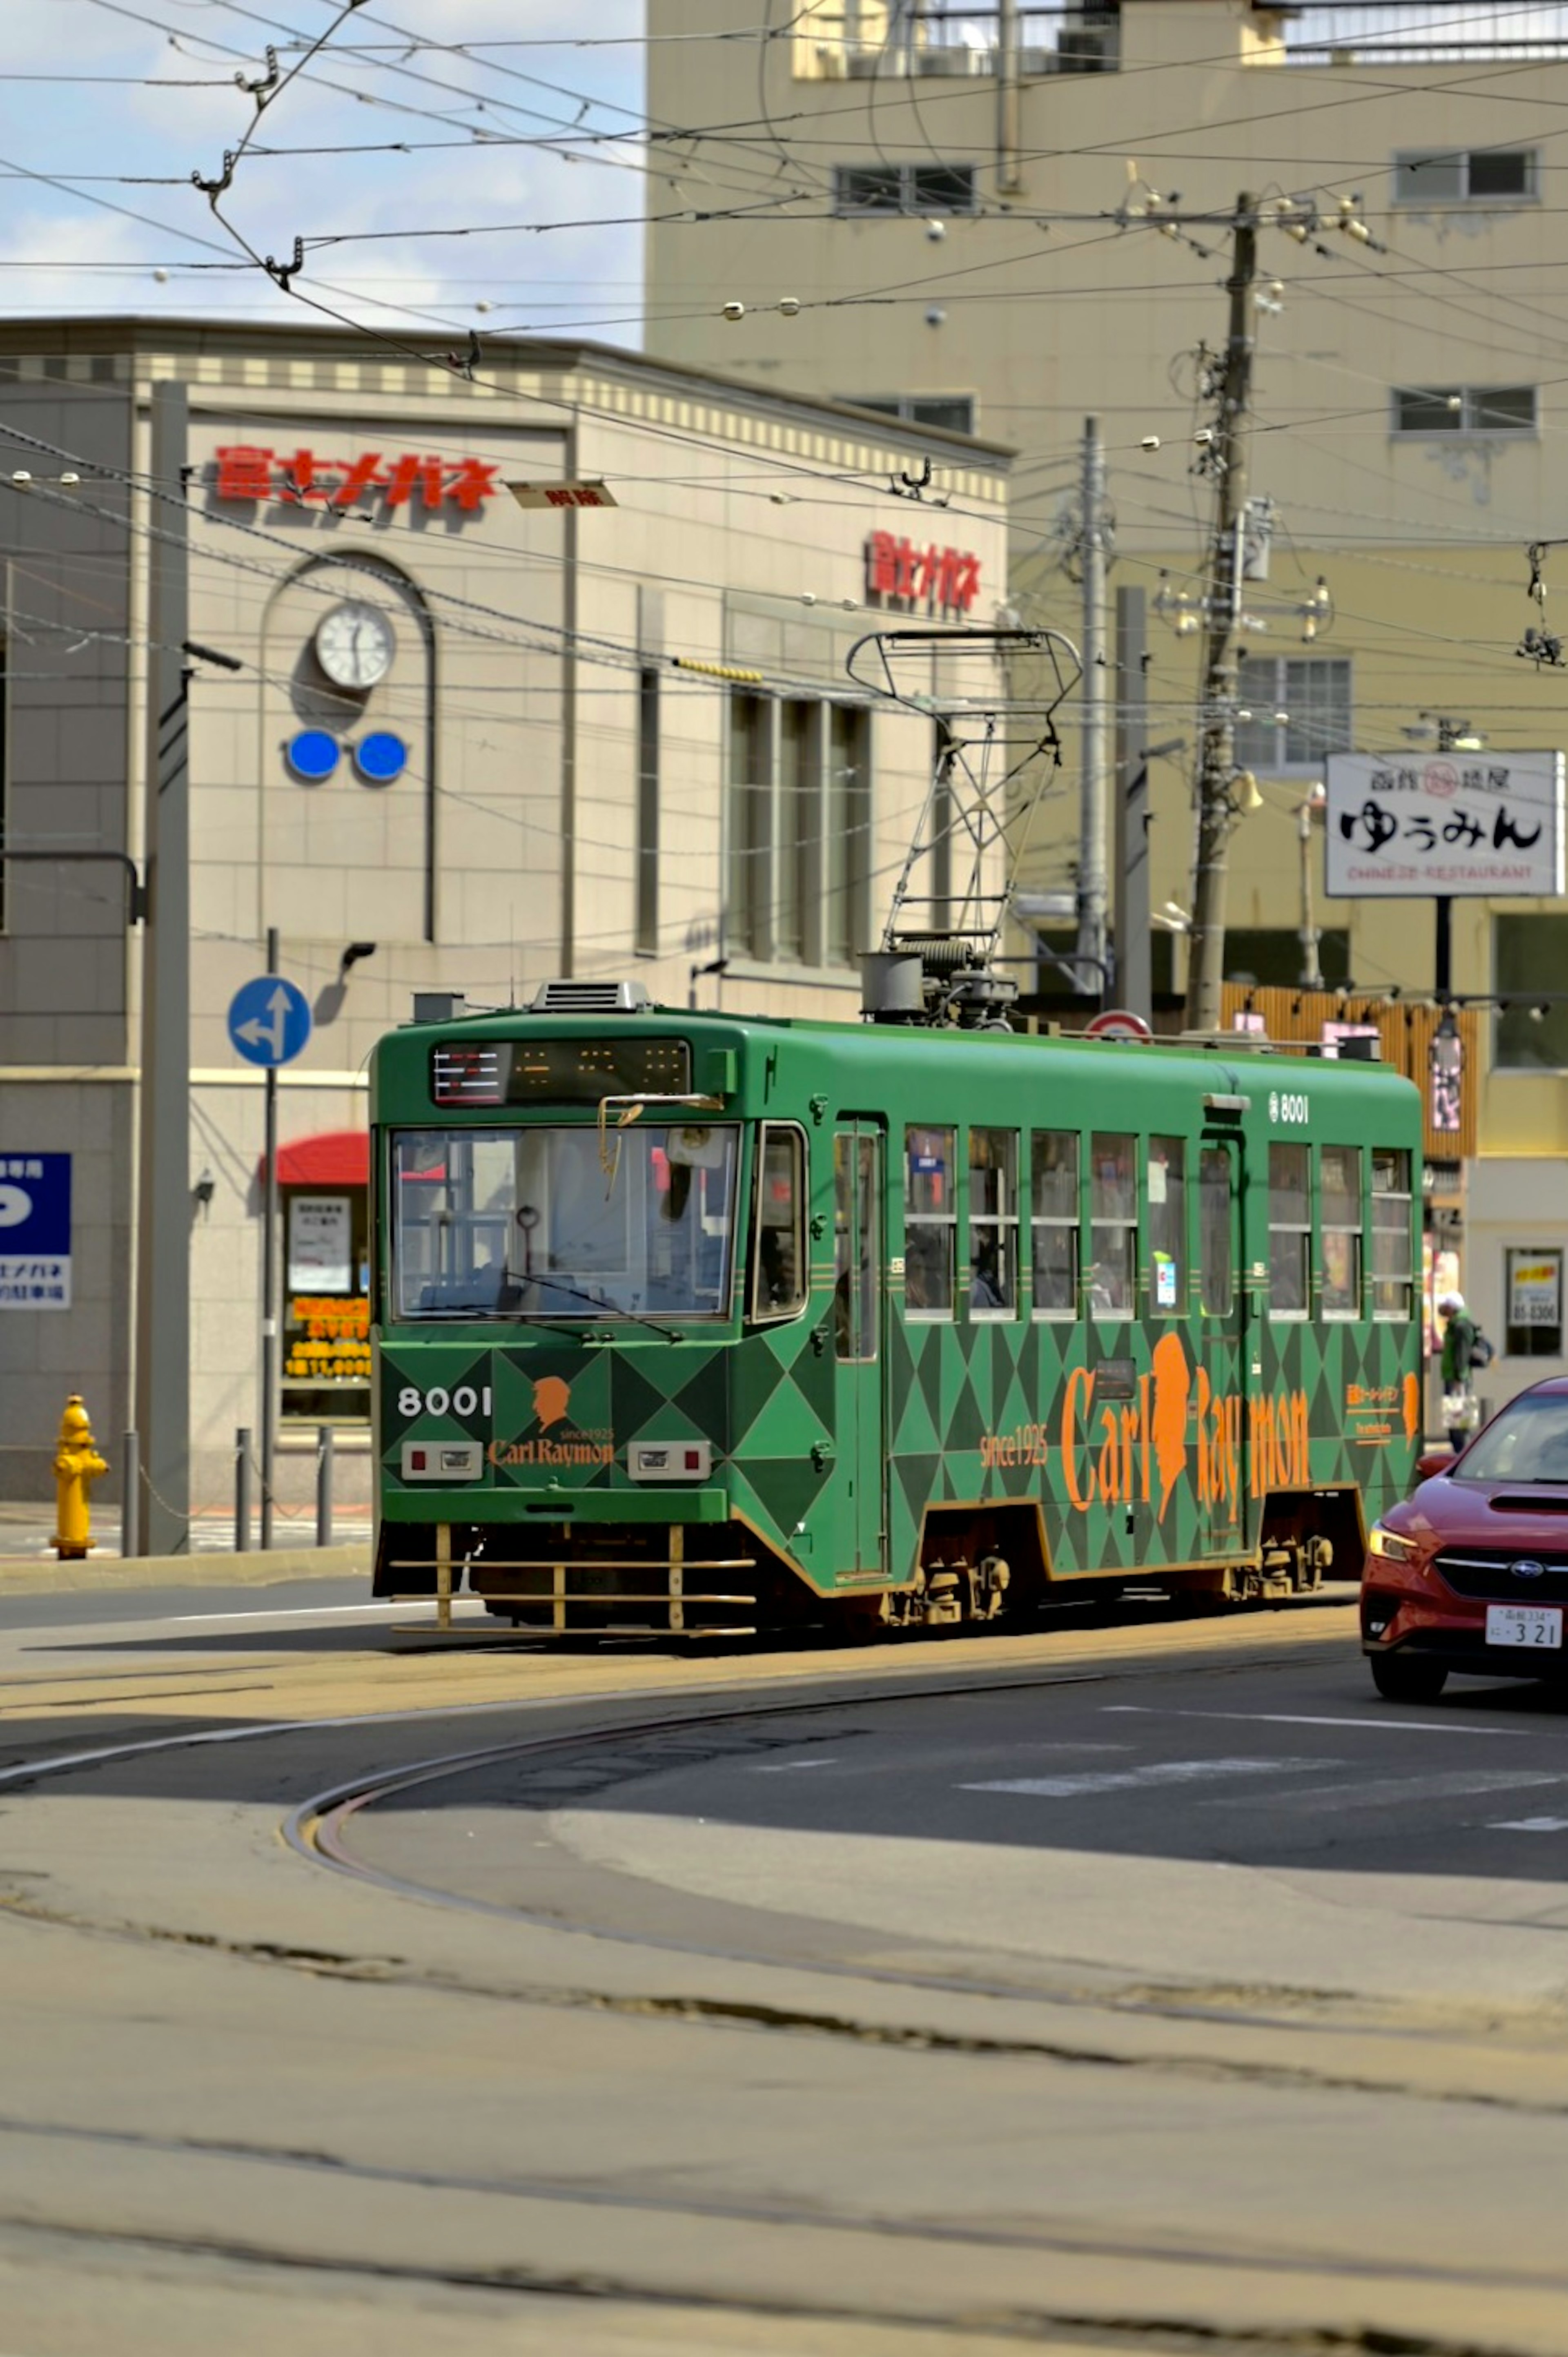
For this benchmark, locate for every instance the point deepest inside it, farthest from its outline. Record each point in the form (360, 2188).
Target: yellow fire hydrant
(77, 1462)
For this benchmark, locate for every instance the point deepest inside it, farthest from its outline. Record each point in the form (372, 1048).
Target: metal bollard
(130, 1483)
(324, 1485)
(242, 1489)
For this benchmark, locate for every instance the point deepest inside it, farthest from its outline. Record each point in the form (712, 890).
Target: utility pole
(1091, 889)
(1134, 979)
(1217, 759)
(161, 1515)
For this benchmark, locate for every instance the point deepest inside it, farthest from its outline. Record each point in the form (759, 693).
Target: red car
(1470, 1573)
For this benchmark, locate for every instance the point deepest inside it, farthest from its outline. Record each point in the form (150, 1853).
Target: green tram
(704, 1323)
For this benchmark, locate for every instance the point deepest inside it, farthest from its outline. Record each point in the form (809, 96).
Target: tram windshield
(528, 1223)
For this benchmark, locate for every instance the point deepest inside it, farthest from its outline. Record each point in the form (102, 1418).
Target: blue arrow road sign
(269, 1020)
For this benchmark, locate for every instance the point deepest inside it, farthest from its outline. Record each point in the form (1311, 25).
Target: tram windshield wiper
(604, 1309)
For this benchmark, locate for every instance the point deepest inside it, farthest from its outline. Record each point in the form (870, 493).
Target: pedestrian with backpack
(1463, 1349)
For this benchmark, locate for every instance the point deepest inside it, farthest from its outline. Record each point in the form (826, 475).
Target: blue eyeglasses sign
(312, 755)
(380, 758)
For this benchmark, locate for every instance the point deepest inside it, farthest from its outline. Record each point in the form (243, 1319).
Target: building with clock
(461, 680)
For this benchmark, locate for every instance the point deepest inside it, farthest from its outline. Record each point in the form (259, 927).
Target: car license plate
(1525, 1624)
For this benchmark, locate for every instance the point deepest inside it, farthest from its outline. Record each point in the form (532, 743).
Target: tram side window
(1340, 1211)
(1053, 1215)
(778, 1269)
(1290, 1230)
(1167, 1223)
(1113, 1225)
(992, 1221)
(1390, 1232)
(1217, 1260)
(930, 1222)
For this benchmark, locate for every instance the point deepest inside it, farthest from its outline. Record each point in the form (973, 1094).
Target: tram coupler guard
(77, 1463)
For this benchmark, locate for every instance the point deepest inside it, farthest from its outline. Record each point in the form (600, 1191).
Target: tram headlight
(1388, 1547)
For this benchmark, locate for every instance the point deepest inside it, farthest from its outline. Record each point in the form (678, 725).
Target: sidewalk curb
(42, 1576)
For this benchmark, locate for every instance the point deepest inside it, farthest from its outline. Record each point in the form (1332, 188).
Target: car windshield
(1527, 1442)
(528, 1223)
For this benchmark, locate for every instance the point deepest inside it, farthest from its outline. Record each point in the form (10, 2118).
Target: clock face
(355, 645)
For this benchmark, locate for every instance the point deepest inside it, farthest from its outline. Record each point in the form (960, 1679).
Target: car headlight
(1390, 1548)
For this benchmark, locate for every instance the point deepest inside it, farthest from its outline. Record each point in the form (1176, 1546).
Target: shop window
(327, 1308)
(1265, 956)
(1534, 1299)
(778, 1271)
(1340, 1199)
(1167, 1224)
(1113, 1225)
(1053, 1214)
(1290, 1231)
(930, 1222)
(1390, 1233)
(992, 1221)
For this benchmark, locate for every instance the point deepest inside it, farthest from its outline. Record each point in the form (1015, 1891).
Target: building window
(929, 1222)
(1459, 175)
(1534, 1294)
(799, 734)
(799, 829)
(905, 189)
(1466, 409)
(955, 411)
(1530, 957)
(647, 811)
(1167, 1224)
(992, 1221)
(1341, 1214)
(1291, 711)
(847, 910)
(1112, 1226)
(750, 824)
(1290, 1231)
(1392, 1248)
(1053, 1211)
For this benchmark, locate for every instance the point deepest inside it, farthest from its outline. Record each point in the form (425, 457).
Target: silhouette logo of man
(1412, 1406)
(1173, 1388)
(552, 1398)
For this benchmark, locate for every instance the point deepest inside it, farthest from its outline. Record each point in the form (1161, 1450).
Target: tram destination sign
(1486, 825)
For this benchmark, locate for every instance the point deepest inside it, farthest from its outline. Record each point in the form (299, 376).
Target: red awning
(337, 1157)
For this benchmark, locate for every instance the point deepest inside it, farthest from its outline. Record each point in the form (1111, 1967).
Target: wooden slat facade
(1297, 1017)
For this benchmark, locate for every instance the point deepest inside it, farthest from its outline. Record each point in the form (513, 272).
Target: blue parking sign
(35, 1231)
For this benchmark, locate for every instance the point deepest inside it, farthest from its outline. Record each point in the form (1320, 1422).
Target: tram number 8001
(437, 1401)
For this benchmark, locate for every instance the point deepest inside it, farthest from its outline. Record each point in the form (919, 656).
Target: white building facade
(472, 738)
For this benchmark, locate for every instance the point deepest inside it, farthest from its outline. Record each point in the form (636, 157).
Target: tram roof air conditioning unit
(568, 998)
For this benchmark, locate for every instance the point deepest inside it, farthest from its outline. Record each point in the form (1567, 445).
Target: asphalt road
(1132, 1988)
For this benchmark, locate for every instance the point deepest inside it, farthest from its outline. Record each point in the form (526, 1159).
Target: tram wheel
(1407, 1677)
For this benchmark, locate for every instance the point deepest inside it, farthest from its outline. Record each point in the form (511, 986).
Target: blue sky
(119, 101)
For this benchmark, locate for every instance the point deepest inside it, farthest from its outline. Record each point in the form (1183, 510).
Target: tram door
(858, 1374)
(1220, 1468)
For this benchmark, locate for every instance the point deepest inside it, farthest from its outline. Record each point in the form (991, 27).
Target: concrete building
(437, 737)
(970, 206)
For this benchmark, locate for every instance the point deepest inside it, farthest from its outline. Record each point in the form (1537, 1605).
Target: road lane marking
(1125, 1780)
(787, 1767)
(1529, 1825)
(1300, 1718)
(288, 1612)
(1383, 1790)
